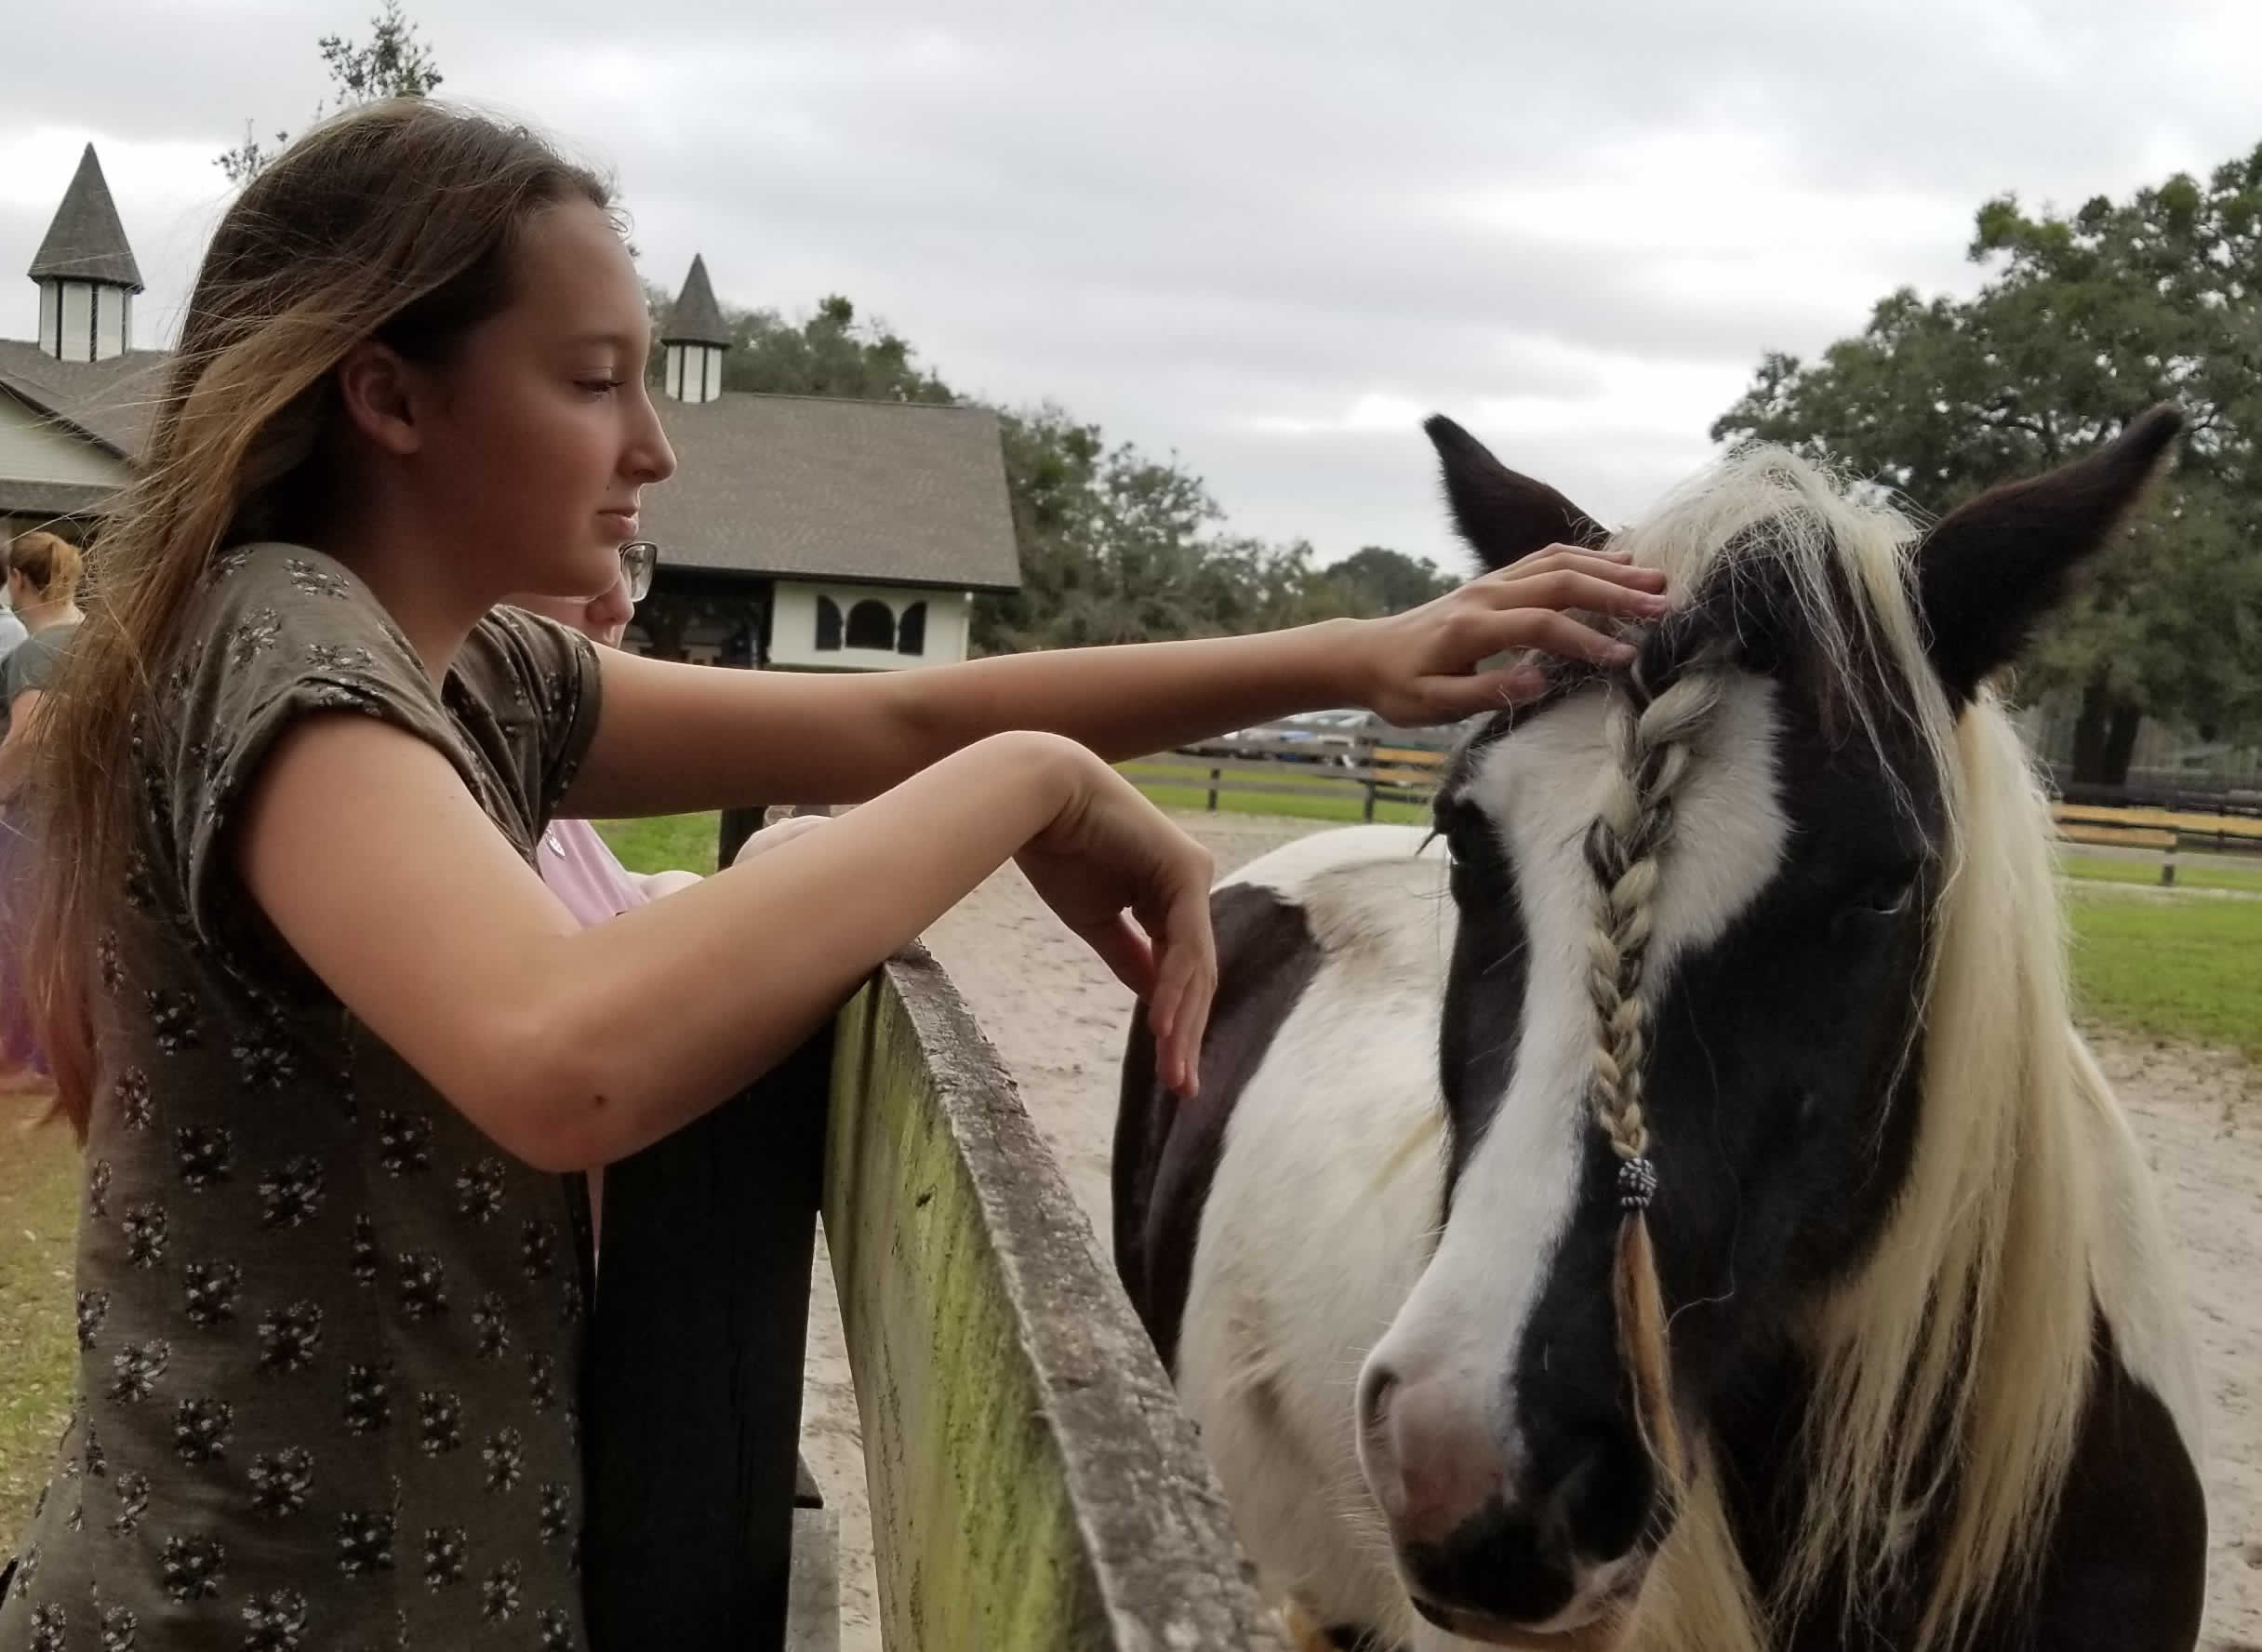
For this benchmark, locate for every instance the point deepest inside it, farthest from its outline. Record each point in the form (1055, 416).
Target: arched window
(828, 625)
(910, 631)
(871, 625)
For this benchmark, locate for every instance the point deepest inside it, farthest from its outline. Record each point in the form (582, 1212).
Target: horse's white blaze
(1464, 1320)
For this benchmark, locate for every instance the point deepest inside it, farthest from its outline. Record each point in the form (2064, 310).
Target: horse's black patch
(1166, 1149)
(1482, 1025)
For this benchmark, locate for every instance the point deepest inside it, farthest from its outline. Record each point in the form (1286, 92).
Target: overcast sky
(1268, 237)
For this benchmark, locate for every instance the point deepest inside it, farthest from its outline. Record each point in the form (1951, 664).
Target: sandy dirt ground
(1058, 1018)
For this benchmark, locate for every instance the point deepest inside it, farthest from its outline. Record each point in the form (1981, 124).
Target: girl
(337, 1055)
(43, 576)
(575, 863)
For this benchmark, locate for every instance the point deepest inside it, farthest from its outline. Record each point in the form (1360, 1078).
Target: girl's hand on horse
(1137, 889)
(1421, 666)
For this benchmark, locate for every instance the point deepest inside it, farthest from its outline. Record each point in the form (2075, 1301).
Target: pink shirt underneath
(581, 872)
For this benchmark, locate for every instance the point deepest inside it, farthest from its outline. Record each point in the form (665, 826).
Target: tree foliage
(393, 63)
(2085, 320)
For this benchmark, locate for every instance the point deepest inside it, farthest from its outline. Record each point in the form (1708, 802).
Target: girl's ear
(376, 387)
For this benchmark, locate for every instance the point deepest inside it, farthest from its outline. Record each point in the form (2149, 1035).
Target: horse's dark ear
(1501, 514)
(1992, 568)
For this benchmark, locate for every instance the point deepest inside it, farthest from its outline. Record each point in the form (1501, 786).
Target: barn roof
(891, 493)
(108, 403)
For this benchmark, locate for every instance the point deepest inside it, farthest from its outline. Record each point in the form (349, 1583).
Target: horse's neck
(1756, 1431)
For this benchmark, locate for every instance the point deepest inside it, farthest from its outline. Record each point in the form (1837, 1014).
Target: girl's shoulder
(272, 614)
(274, 622)
(278, 632)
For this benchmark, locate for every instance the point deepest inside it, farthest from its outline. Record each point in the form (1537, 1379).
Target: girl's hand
(1421, 666)
(1108, 858)
(770, 837)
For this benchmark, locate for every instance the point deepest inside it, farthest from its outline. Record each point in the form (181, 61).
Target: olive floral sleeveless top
(330, 1333)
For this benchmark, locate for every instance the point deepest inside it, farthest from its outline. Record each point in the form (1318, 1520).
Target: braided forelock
(1658, 709)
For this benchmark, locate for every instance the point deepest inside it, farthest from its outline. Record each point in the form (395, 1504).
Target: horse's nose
(1431, 1462)
(1525, 1559)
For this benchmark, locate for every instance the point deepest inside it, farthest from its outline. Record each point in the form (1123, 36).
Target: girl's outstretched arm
(572, 1048)
(676, 738)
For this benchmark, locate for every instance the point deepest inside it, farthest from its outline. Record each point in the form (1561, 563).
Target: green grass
(2185, 968)
(38, 1352)
(663, 843)
(2097, 869)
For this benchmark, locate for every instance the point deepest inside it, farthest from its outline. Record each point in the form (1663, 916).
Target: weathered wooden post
(1034, 1485)
(691, 1399)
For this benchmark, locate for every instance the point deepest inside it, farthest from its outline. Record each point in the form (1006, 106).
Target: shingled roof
(87, 242)
(695, 317)
(886, 493)
(108, 402)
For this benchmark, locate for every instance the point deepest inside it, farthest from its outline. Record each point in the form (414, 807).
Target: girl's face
(538, 434)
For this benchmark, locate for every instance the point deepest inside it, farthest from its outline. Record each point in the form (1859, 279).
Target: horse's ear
(1503, 515)
(1992, 568)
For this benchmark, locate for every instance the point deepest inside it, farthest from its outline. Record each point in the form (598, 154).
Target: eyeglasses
(639, 558)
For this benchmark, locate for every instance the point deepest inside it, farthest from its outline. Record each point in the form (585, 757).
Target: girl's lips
(623, 520)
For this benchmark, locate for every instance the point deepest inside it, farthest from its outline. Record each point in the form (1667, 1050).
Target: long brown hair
(394, 222)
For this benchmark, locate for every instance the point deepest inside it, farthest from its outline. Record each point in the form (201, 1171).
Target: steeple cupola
(694, 337)
(87, 273)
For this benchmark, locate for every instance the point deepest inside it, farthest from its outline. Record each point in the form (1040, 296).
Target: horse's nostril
(1376, 1384)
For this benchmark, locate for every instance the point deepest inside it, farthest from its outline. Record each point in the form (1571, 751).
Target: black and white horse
(1773, 914)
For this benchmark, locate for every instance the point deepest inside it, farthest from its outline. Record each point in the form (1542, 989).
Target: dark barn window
(828, 625)
(910, 632)
(871, 625)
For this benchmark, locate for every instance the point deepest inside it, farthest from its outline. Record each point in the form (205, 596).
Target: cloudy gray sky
(1268, 237)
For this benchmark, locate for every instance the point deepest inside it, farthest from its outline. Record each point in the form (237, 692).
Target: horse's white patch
(1541, 788)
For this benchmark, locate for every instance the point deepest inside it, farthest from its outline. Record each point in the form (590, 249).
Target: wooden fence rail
(1034, 1485)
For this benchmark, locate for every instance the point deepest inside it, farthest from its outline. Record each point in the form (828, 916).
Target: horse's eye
(1455, 824)
(1889, 896)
